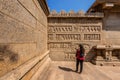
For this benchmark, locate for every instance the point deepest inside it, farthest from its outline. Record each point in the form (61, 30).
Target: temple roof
(104, 4)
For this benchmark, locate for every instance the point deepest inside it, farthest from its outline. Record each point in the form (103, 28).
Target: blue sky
(68, 5)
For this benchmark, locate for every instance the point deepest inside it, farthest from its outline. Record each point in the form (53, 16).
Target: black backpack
(81, 54)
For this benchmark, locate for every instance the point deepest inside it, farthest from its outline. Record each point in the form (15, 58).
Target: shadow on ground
(66, 69)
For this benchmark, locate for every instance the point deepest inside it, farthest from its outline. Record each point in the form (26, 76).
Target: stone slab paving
(65, 71)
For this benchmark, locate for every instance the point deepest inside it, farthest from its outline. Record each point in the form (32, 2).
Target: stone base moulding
(19, 72)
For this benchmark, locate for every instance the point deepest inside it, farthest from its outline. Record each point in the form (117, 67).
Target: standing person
(80, 57)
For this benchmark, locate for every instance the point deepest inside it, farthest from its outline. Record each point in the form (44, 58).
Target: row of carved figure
(73, 37)
(67, 20)
(65, 45)
(63, 11)
(74, 28)
(72, 13)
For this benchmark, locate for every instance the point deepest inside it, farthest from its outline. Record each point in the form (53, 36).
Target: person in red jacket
(80, 57)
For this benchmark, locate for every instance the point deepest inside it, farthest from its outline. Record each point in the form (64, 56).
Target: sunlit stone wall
(67, 30)
(23, 33)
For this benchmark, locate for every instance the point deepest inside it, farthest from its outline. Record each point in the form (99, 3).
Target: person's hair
(82, 50)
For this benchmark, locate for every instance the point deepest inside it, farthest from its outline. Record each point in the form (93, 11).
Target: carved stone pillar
(110, 55)
(106, 55)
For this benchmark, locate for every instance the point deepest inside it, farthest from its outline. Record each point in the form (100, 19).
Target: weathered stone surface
(112, 26)
(111, 23)
(64, 34)
(14, 31)
(15, 10)
(19, 72)
(33, 7)
(14, 55)
(23, 33)
(43, 68)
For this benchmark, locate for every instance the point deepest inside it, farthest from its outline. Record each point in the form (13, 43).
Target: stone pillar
(106, 55)
(110, 55)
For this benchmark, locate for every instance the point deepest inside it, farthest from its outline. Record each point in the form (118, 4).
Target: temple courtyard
(65, 71)
(37, 43)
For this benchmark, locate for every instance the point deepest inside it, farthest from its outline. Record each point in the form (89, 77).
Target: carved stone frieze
(73, 28)
(87, 28)
(92, 37)
(69, 56)
(58, 45)
(68, 37)
(60, 29)
(77, 20)
(65, 34)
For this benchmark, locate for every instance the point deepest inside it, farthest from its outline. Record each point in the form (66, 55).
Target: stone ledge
(100, 63)
(42, 70)
(19, 72)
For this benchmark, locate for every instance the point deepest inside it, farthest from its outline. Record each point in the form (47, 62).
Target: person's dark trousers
(77, 64)
(81, 66)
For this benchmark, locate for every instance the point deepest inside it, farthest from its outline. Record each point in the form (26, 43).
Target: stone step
(100, 58)
(113, 63)
(115, 59)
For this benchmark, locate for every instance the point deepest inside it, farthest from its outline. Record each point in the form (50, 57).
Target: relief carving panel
(68, 37)
(64, 35)
(92, 37)
(69, 56)
(70, 20)
(60, 29)
(59, 45)
(87, 28)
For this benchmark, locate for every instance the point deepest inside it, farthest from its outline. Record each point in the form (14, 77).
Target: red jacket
(78, 55)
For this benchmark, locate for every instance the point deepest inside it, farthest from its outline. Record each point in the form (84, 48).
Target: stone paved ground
(65, 71)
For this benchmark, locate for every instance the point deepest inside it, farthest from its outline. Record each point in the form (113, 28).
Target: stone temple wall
(112, 25)
(23, 38)
(67, 30)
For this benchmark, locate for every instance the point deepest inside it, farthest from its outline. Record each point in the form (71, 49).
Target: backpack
(81, 54)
